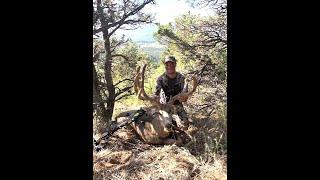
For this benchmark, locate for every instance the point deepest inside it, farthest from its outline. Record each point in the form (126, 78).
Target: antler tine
(142, 94)
(136, 81)
(194, 87)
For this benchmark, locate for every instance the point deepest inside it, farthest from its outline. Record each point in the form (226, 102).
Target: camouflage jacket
(171, 87)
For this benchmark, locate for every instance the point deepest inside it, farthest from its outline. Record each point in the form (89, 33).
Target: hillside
(152, 48)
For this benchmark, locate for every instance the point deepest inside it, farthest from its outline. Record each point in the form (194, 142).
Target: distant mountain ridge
(152, 48)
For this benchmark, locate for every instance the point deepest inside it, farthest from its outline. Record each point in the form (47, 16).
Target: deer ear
(162, 97)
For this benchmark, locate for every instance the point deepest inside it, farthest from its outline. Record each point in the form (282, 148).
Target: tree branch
(130, 94)
(206, 106)
(133, 12)
(114, 30)
(120, 55)
(113, 47)
(123, 81)
(96, 31)
(121, 91)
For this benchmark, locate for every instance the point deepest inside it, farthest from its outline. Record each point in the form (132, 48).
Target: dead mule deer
(155, 126)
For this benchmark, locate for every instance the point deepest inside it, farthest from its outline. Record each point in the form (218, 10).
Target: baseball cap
(170, 59)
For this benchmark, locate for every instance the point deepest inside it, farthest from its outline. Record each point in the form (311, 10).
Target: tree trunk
(99, 104)
(109, 80)
(109, 25)
(96, 94)
(108, 60)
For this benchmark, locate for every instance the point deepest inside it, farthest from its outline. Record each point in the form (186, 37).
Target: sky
(165, 11)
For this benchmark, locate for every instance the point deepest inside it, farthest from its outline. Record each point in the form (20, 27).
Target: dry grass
(167, 162)
(127, 157)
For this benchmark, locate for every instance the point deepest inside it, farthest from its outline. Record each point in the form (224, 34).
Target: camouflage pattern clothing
(172, 87)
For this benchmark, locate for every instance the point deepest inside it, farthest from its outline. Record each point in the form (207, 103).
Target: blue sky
(165, 11)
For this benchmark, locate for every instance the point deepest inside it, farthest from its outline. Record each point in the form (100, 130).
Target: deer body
(151, 127)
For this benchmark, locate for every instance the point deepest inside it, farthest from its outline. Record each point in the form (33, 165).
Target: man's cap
(170, 59)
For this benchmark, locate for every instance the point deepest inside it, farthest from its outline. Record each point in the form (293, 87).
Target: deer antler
(194, 87)
(139, 87)
(136, 81)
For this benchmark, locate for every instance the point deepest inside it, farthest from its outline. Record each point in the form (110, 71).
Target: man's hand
(183, 98)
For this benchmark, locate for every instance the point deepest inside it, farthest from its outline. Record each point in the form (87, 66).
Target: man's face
(170, 67)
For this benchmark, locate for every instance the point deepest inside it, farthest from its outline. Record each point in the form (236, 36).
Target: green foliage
(200, 46)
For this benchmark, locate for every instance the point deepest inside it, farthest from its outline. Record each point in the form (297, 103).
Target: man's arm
(183, 89)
